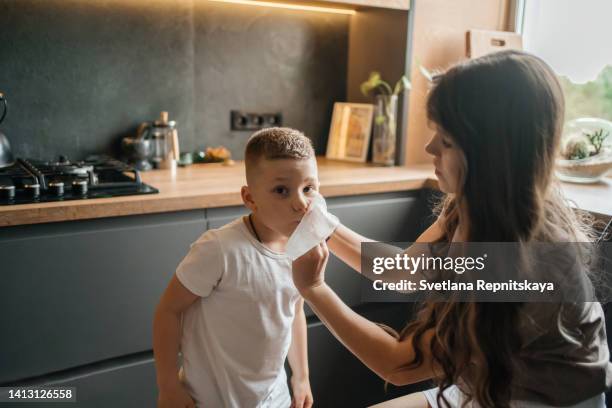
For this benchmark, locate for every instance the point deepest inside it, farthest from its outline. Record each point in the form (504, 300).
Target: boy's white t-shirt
(236, 337)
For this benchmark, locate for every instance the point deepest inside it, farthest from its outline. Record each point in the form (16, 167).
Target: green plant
(576, 150)
(596, 139)
(385, 118)
(376, 82)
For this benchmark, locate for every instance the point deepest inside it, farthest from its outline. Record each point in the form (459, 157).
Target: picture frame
(350, 130)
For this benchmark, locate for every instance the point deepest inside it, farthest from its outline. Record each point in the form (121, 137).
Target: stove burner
(33, 181)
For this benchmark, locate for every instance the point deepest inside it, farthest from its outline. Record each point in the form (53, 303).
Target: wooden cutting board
(481, 42)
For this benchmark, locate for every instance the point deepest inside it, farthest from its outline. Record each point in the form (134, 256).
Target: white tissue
(316, 225)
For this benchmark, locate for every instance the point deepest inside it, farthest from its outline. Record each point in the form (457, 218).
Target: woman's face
(448, 159)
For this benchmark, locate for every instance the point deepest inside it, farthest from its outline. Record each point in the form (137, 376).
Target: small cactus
(576, 150)
(597, 139)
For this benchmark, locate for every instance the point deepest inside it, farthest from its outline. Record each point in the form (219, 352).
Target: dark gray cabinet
(218, 217)
(126, 383)
(79, 294)
(397, 217)
(338, 378)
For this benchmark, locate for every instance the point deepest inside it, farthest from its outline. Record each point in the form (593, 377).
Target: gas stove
(34, 181)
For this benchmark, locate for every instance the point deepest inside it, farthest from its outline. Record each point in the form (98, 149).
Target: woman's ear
(247, 198)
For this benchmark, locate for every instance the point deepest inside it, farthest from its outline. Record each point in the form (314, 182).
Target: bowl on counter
(580, 161)
(589, 170)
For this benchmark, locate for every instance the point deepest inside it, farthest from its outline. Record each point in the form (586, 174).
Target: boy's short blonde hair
(277, 143)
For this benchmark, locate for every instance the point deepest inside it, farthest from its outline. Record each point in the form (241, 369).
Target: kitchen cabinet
(339, 379)
(126, 383)
(218, 217)
(82, 294)
(85, 291)
(393, 217)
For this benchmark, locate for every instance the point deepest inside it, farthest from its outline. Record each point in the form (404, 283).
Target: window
(575, 38)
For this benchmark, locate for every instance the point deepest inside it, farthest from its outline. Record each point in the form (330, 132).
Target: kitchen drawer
(218, 217)
(397, 217)
(78, 292)
(124, 383)
(338, 378)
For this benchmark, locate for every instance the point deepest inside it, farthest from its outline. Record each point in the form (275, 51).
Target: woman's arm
(346, 245)
(433, 233)
(376, 348)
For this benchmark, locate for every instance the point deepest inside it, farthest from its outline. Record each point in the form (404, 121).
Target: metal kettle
(6, 156)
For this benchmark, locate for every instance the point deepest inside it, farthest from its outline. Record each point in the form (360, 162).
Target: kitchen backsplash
(81, 74)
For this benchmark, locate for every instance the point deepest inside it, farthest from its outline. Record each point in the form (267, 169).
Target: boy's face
(280, 192)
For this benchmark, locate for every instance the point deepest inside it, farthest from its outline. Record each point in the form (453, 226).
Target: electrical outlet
(272, 119)
(240, 120)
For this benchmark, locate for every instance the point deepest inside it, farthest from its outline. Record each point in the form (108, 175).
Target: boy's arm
(166, 334)
(298, 359)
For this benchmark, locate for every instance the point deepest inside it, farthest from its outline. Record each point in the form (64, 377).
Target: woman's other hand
(309, 269)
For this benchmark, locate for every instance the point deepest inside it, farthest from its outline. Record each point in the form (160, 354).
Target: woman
(498, 122)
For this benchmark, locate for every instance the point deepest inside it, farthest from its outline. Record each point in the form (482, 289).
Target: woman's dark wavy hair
(505, 113)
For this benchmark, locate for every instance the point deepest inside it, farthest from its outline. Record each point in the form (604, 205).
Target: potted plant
(385, 116)
(586, 151)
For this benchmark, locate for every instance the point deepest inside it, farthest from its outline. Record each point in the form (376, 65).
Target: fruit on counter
(212, 155)
(219, 153)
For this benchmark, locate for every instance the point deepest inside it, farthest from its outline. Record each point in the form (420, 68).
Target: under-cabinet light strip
(288, 6)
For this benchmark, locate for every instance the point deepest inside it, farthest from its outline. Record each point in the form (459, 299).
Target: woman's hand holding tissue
(316, 225)
(309, 269)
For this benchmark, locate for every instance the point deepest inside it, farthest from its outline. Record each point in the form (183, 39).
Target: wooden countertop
(216, 185)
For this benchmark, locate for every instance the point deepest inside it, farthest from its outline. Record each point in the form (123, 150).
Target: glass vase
(385, 129)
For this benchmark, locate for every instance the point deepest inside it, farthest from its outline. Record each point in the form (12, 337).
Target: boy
(232, 304)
